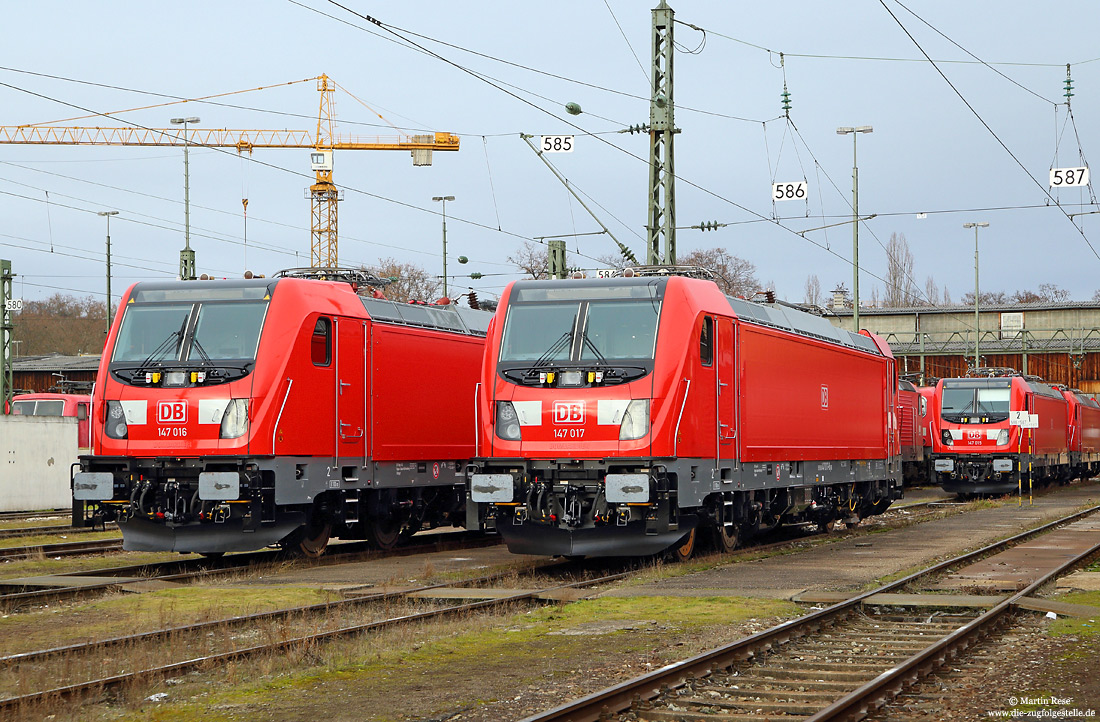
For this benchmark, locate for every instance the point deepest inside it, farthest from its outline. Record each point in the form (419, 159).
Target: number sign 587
(1063, 177)
(789, 191)
(557, 144)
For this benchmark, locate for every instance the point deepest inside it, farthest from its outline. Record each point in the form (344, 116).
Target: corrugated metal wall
(1075, 370)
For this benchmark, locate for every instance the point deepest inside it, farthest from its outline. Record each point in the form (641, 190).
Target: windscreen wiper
(166, 344)
(557, 346)
(600, 358)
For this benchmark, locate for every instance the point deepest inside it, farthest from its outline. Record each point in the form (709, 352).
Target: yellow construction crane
(323, 193)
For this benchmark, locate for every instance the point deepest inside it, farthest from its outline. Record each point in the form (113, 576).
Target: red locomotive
(995, 432)
(231, 415)
(1083, 422)
(625, 416)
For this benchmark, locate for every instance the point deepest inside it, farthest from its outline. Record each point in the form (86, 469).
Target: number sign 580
(789, 191)
(557, 144)
(1063, 177)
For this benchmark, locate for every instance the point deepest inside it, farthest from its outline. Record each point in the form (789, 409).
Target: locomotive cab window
(975, 399)
(706, 342)
(320, 345)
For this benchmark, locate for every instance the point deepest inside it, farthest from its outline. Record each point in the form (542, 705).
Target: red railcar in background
(998, 434)
(45, 404)
(231, 415)
(912, 407)
(1083, 421)
(621, 416)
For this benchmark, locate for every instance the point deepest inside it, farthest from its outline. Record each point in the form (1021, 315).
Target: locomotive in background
(231, 415)
(626, 416)
(1004, 432)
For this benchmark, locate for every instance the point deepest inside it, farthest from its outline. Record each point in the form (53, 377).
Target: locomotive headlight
(1002, 437)
(115, 426)
(635, 423)
(235, 419)
(945, 437)
(571, 378)
(507, 425)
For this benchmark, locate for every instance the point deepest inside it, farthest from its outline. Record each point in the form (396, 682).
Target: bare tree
(413, 282)
(931, 292)
(737, 276)
(813, 290)
(1053, 293)
(875, 303)
(61, 324)
(946, 297)
(900, 288)
(533, 259)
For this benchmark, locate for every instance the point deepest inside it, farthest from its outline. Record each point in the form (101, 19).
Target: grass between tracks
(410, 673)
(124, 613)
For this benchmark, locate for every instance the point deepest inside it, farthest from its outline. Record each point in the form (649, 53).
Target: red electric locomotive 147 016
(230, 415)
(621, 416)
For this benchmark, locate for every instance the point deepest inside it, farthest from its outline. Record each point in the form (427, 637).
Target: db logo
(172, 412)
(974, 434)
(568, 412)
(824, 396)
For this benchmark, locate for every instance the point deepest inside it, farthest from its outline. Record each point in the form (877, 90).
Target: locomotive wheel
(314, 540)
(726, 538)
(384, 533)
(684, 549)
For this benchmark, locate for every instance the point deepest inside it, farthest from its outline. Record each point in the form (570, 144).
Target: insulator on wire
(1069, 85)
(471, 298)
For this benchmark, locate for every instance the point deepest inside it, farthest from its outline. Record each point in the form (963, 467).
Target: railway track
(65, 549)
(837, 663)
(80, 668)
(22, 515)
(15, 594)
(24, 592)
(221, 640)
(50, 529)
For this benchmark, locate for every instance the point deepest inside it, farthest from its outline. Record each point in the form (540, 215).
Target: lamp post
(108, 215)
(855, 218)
(977, 326)
(444, 199)
(187, 256)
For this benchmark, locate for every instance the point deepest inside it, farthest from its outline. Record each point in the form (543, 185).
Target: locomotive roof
(774, 315)
(448, 318)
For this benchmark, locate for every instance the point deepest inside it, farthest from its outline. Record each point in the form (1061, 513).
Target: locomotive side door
(705, 406)
(727, 390)
(350, 389)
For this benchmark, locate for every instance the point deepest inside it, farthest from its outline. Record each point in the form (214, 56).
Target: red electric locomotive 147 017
(230, 415)
(622, 416)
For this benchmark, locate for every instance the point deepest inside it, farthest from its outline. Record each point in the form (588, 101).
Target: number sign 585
(1063, 177)
(557, 144)
(789, 191)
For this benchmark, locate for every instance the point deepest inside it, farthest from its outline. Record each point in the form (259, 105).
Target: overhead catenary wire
(394, 32)
(981, 120)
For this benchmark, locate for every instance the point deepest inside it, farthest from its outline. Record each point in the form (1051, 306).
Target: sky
(968, 136)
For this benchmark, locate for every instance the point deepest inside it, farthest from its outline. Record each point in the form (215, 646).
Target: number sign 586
(789, 191)
(557, 144)
(1063, 177)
